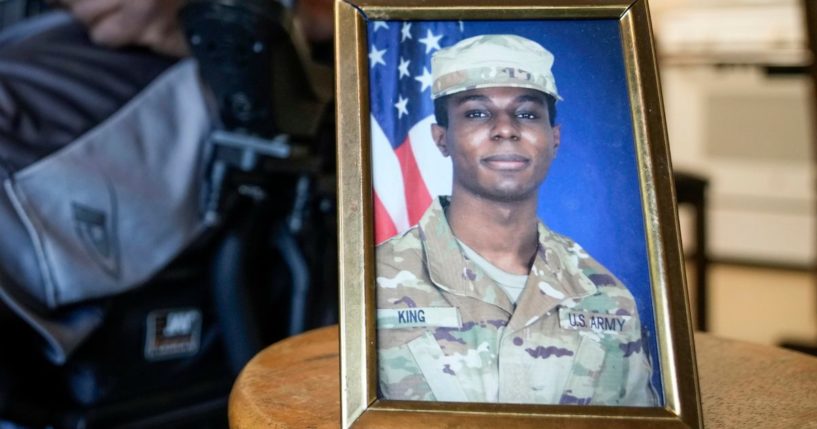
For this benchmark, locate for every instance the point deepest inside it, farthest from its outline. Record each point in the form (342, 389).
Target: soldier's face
(500, 142)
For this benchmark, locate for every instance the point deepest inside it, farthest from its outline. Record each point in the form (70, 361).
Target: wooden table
(294, 384)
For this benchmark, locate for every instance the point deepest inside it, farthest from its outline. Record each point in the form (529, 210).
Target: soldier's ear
(438, 134)
(557, 139)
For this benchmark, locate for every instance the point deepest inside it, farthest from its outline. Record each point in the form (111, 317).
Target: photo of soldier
(481, 301)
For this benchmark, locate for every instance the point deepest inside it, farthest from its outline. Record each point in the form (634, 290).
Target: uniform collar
(555, 275)
(448, 268)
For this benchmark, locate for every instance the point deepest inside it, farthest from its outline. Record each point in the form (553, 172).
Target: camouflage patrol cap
(491, 61)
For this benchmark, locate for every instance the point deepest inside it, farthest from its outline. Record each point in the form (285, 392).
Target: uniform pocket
(582, 382)
(429, 357)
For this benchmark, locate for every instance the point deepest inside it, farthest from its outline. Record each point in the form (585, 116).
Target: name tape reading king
(395, 318)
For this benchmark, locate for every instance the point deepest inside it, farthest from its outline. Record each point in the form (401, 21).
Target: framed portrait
(509, 244)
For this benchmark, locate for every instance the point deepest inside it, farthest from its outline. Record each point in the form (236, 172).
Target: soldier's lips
(506, 162)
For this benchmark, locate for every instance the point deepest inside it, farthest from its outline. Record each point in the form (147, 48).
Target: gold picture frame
(360, 406)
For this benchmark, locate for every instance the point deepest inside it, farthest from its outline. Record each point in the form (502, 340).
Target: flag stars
(376, 57)
(431, 41)
(403, 68)
(401, 107)
(425, 79)
(380, 24)
(405, 32)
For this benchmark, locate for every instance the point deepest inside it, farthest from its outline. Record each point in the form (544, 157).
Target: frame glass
(623, 156)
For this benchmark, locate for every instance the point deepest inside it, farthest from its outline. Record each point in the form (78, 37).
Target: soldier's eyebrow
(472, 97)
(532, 98)
(520, 99)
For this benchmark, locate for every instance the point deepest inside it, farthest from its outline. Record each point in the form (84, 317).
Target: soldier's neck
(504, 233)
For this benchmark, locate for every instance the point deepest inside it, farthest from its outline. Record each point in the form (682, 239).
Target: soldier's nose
(504, 128)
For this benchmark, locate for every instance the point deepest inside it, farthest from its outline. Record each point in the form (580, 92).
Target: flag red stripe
(417, 197)
(383, 225)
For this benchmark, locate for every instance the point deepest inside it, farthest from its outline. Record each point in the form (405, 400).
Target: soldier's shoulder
(407, 241)
(607, 284)
(401, 274)
(611, 294)
(588, 263)
(401, 250)
(564, 243)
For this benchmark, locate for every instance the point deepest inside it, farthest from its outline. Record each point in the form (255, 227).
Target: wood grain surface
(290, 384)
(294, 384)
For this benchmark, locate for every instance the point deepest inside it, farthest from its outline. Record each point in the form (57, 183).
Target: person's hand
(150, 23)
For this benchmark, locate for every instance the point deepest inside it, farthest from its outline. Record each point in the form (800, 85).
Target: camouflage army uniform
(447, 332)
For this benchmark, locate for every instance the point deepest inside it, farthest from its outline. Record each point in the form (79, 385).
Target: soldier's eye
(527, 115)
(476, 114)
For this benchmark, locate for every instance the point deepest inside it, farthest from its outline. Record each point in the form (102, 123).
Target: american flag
(408, 169)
